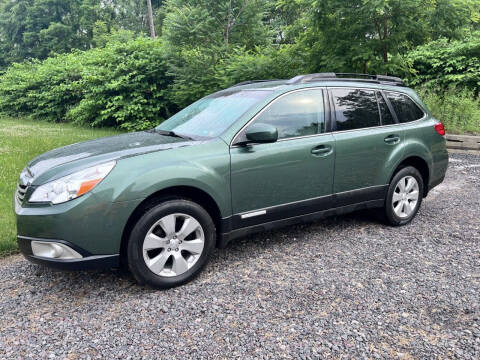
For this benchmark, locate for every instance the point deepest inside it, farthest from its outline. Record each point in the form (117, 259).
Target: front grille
(21, 191)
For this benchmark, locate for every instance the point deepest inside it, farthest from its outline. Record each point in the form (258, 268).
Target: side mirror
(261, 133)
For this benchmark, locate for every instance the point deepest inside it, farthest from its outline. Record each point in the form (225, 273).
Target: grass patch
(20, 141)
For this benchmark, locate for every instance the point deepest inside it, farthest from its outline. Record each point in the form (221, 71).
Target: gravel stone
(343, 287)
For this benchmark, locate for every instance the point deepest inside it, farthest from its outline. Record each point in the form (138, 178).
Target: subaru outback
(253, 157)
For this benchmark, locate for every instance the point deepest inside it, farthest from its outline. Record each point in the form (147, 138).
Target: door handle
(392, 139)
(322, 150)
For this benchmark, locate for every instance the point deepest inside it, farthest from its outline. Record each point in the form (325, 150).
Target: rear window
(404, 107)
(355, 109)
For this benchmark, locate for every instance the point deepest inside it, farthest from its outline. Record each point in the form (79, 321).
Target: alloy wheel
(173, 245)
(405, 197)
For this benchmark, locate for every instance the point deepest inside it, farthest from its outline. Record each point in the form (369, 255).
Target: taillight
(439, 128)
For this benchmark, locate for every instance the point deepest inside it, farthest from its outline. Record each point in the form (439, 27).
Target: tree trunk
(385, 37)
(150, 19)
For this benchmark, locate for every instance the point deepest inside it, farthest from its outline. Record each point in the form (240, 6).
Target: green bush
(42, 90)
(443, 63)
(122, 85)
(458, 109)
(197, 72)
(194, 73)
(135, 84)
(269, 63)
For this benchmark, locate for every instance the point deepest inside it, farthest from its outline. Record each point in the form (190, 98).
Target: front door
(292, 176)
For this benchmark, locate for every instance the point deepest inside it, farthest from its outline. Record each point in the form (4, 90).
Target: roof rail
(252, 82)
(378, 79)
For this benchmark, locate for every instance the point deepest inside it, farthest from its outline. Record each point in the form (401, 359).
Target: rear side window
(297, 114)
(404, 107)
(385, 114)
(355, 109)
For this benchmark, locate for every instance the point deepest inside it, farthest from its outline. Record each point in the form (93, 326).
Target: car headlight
(71, 186)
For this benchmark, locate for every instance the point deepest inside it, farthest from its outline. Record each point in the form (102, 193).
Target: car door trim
(253, 214)
(308, 206)
(282, 211)
(227, 234)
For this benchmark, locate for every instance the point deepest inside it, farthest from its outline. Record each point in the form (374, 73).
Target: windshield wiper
(172, 133)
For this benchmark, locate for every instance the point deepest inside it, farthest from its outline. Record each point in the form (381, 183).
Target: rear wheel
(404, 196)
(170, 244)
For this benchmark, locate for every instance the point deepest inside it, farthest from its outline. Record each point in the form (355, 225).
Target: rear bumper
(87, 262)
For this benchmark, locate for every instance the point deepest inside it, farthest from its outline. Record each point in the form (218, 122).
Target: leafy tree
(453, 19)
(13, 23)
(131, 15)
(288, 19)
(360, 34)
(215, 24)
(363, 35)
(35, 29)
(200, 34)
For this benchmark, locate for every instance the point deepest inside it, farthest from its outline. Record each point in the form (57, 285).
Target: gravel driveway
(345, 287)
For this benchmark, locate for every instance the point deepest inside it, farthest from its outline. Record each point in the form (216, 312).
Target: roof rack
(252, 82)
(378, 79)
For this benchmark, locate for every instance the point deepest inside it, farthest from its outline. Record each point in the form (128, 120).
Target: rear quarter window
(404, 107)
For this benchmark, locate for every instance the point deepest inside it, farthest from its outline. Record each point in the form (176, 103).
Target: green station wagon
(253, 157)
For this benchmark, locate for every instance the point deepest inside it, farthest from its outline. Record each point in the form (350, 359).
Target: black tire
(390, 215)
(136, 262)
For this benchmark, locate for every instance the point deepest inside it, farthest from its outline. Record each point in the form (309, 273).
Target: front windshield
(212, 115)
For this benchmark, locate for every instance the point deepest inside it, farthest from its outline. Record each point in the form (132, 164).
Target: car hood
(60, 162)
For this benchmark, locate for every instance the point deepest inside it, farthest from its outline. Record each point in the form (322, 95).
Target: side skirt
(226, 237)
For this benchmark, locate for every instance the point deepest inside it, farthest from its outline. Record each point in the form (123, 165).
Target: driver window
(300, 113)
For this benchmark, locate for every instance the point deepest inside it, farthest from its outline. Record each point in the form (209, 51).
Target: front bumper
(87, 262)
(91, 222)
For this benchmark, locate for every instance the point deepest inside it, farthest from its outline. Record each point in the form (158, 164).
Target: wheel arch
(418, 163)
(192, 193)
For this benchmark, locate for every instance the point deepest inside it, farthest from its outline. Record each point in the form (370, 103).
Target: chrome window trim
(270, 104)
(377, 127)
(425, 115)
(303, 137)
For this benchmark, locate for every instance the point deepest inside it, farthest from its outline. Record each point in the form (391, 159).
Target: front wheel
(404, 196)
(170, 244)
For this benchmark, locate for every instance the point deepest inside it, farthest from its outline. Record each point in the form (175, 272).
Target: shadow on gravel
(95, 283)
(300, 232)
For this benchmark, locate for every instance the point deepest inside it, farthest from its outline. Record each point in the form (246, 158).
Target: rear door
(292, 176)
(368, 142)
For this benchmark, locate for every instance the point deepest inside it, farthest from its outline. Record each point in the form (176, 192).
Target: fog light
(54, 250)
